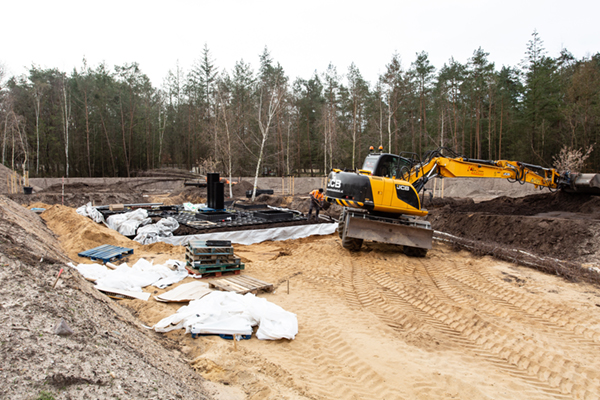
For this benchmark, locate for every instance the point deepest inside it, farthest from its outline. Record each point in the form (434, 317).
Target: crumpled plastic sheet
(143, 273)
(152, 233)
(89, 211)
(231, 313)
(126, 224)
(257, 235)
(193, 207)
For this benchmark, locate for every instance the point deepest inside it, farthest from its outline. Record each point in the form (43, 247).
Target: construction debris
(185, 292)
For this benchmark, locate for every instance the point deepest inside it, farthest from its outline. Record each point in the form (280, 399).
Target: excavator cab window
(371, 162)
(387, 166)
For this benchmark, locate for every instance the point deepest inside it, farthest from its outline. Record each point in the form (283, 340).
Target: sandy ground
(372, 325)
(378, 324)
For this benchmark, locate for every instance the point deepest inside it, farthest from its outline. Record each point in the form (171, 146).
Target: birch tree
(358, 89)
(224, 111)
(332, 97)
(271, 88)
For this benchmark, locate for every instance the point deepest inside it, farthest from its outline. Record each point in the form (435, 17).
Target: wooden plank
(253, 281)
(221, 285)
(185, 292)
(250, 280)
(237, 288)
(241, 284)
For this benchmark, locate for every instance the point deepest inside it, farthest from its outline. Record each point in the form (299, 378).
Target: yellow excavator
(381, 200)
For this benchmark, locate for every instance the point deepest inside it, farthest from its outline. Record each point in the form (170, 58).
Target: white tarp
(91, 212)
(257, 235)
(126, 224)
(152, 233)
(231, 313)
(143, 273)
(193, 207)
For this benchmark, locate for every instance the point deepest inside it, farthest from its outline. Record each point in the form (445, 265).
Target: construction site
(503, 303)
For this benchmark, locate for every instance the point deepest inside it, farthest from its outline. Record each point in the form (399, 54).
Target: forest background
(98, 122)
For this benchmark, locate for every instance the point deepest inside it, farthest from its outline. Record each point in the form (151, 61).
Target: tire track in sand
(547, 365)
(468, 331)
(565, 321)
(330, 364)
(321, 355)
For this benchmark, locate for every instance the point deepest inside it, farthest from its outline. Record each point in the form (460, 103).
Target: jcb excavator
(381, 201)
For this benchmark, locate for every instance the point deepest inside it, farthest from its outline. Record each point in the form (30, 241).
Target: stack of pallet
(211, 257)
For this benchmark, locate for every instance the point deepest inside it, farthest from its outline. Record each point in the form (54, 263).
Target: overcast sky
(303, 36)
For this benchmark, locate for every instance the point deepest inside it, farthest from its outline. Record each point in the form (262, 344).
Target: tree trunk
(87, 132)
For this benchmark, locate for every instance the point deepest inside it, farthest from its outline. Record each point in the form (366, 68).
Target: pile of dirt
(77, 194)
(559, 202)
(558, 225)
(189, 194)
(240, 188)
(108, 355)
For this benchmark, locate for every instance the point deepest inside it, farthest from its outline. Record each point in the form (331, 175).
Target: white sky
(303, 36)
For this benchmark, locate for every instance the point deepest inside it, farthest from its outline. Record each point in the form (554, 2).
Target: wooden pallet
(208, 251)
(199, 274)
(241, 284)
(215, 271)
(106, 253)
(209, 243)
(212, 262)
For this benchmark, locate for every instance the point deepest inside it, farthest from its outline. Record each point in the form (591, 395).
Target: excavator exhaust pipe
(585, 184)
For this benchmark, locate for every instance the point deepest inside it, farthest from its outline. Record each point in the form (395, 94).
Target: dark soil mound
(239, 189)
(189, 194)
(558, 225)
(528, 205)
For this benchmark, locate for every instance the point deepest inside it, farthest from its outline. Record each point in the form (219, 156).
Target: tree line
(100, 122)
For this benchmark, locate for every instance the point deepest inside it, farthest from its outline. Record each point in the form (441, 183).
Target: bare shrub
(571, 160)
(207, 165)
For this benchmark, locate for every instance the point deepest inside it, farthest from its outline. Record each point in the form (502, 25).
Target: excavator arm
(463, 167)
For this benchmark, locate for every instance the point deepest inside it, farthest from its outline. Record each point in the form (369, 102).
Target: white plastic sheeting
(126, 224)
(257, 235)
(193, 207)
(92, 212)
(232, 313)
(152, 233)
(143, 273)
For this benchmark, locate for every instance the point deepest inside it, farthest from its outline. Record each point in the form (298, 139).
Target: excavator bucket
(585, 184)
